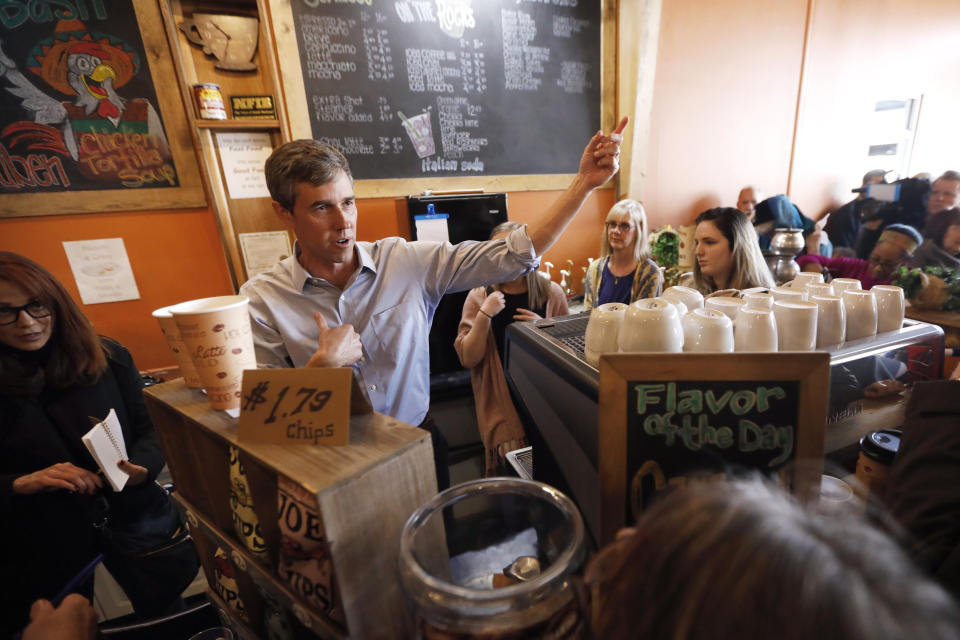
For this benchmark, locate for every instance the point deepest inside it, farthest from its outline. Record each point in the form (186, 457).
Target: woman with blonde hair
(728, 253)
(480, 343)
(624, 272)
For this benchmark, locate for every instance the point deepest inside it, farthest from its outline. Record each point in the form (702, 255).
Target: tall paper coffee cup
(219, 340)
(168, 325)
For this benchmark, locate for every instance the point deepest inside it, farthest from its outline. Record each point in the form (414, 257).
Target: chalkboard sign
(665, 419)
(408, 88)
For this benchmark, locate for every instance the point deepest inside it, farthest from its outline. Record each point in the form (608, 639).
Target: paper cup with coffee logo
(219, 340)
(168, 325)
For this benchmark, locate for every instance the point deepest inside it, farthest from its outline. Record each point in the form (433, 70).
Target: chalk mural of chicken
(88, 66)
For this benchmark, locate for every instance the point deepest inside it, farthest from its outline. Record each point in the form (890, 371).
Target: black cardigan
(47, 537)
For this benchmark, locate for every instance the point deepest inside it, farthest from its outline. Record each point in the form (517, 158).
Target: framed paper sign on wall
(667, 419)
(83, 125)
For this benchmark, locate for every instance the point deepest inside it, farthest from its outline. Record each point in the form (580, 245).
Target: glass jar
(456, 547)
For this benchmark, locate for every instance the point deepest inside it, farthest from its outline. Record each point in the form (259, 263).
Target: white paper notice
(242, 156)
(432, 227)
(102, 270)
(263, 250)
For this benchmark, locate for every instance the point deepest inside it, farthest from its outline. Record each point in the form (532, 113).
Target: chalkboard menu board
(415, 88)
(665, 419)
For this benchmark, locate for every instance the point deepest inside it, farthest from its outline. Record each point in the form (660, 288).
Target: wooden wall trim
(638, 26)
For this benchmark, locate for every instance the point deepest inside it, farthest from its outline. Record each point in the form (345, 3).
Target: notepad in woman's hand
(105, 443)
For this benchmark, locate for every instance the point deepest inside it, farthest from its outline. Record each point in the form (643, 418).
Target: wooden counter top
(942, 318)
(374, 438)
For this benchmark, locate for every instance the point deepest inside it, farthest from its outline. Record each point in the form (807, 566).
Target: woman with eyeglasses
(480, 344)
(896, 247)
(624, 272)
(55, 374)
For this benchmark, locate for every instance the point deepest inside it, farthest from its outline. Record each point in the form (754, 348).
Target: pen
(74, 582)
(77, 580)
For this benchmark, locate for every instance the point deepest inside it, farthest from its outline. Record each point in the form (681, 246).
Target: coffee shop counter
(556, 390)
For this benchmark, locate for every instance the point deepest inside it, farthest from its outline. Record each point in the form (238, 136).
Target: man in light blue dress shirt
(368, 305)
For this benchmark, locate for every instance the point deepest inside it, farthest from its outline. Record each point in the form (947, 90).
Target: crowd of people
(339, 302)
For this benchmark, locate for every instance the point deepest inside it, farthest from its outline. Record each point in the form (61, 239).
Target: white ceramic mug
(724, 304)
(796, 325)
(603, 331)
(651, 325)
(844, 284)
(861, 308)
(803, 279)
(754, 330)
(820, 289)
(831, 320)
(758, 300)
(788, 294)
(707, 330)
(690, 297)
(890, 307)
(681, 307)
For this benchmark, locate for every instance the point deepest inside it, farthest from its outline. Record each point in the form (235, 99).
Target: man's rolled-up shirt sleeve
(472, 264)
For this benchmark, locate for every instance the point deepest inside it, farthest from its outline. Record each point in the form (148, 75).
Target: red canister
(209, 101)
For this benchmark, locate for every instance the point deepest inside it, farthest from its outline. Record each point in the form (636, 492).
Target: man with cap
(894, 248)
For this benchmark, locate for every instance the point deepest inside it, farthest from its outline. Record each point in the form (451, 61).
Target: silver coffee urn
(785, 246)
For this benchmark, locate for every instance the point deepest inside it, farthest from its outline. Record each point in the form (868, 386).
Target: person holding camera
(917, 201)
(844, 223)
(896, 247)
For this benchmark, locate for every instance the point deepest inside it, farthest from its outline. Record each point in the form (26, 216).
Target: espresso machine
(556, 391)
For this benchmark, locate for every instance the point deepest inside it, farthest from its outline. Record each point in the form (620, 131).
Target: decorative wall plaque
(232, 40)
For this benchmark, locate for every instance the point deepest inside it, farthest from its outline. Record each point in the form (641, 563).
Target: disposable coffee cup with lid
(877, 451)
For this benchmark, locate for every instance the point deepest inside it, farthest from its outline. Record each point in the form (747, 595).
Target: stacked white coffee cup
(803, 315)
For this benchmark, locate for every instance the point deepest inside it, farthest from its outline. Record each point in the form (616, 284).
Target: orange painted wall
(175, 256)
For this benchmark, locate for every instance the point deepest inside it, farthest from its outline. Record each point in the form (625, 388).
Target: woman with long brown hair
(56, 374)
(728, 254)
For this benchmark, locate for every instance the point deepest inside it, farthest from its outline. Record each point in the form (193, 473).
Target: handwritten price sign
(295, 406)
